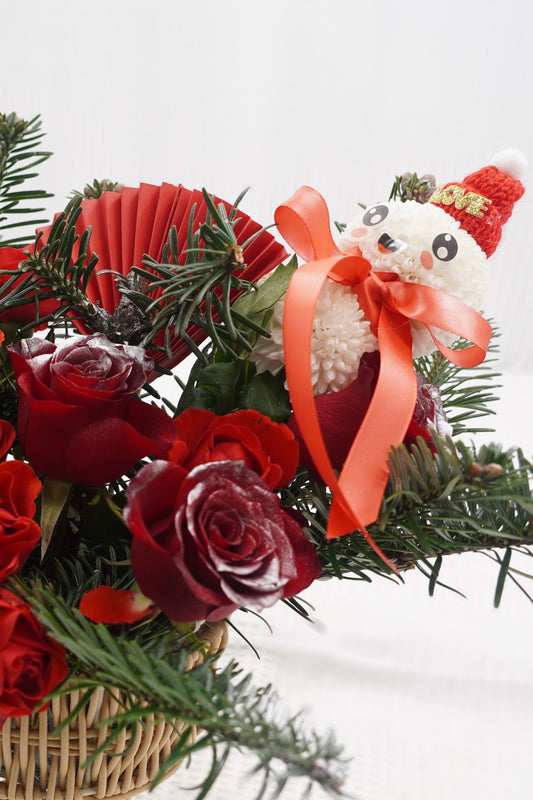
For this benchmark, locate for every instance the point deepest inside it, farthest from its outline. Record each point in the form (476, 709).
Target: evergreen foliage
(198, 292)
(230, 710)
(456, 500)
(20, 153)
(467, 394)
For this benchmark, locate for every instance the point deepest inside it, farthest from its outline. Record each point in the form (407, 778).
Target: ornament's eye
(375, 215)
(445, 246)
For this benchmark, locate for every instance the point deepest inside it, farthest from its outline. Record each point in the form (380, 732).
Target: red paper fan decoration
(135, 222)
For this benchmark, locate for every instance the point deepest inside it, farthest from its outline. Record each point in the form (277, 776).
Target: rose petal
(158, 578)
(112, 446)
(21, 487)
(115, 606)
(7, 436)
(309, 567)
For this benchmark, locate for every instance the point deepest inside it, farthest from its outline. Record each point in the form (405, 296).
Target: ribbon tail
(338, 519)
(300, 304)
(364, 476)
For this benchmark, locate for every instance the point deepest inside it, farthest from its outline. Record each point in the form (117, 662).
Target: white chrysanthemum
(429, 248)
(341, 335)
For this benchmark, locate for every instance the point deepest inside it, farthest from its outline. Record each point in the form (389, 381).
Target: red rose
(266, 447)
(7, 437)
(341, 414)
(78, 417)
(19, 533)
(10, 258)
(31, 664)
(214, 539)
(429, 414)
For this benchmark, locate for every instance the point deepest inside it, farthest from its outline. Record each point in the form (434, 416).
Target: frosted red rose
(78, 417)
(31, 664)
(212, 540)
(429, 414)
(266, 447)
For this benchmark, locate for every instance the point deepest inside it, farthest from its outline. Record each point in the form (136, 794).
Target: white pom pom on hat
(510, 161)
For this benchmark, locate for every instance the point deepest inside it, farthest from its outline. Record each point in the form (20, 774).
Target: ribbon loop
(305, 220)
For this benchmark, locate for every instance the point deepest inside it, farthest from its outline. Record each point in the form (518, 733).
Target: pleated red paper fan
(135, 222)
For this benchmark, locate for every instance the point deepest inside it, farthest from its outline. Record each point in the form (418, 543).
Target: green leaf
(54, 496)
(98, 520)
(434, 575)
(267, 294)
(267, 394)
(196, 397)
(221, 380)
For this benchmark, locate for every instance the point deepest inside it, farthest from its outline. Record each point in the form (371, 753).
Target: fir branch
(8, 389)
(20, 141)
(195, 288)
(89, 568)
(231, 712)
(457, 500)
(467, 394)
(60, 269)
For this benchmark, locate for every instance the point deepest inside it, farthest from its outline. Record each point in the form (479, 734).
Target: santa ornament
(405, 278)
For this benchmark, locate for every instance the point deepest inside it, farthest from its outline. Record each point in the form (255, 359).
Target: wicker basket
(36, 766)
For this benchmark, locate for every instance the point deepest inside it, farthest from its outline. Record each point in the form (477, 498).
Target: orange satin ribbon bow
(389, 305)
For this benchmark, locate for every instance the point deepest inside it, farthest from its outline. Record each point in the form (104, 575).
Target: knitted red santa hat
(484, 200)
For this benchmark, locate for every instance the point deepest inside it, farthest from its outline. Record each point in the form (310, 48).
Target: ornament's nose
(386, 244)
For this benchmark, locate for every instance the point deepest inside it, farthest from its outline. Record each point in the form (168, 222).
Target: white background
(433, 698)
